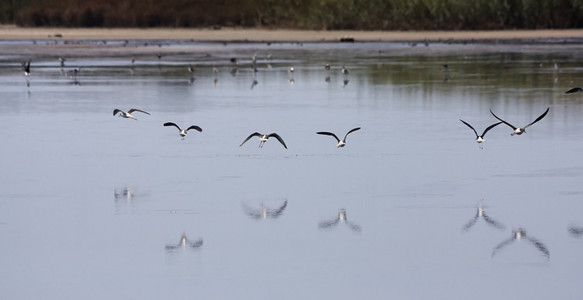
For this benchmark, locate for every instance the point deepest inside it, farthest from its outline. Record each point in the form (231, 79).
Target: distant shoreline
(281, 35)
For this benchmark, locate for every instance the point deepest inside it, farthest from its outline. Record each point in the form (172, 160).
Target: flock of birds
(265, 212)
(262, 137)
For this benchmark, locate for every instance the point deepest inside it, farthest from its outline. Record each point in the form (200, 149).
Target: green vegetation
(299, 14)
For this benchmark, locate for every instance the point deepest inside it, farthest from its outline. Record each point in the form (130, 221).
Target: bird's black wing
(470, 127)
(196, 244)
(135, 109)
(351, 130)
(195, 128)
(576, 231)
(279, 211)
(490, 127)
(278, 138)
(328, 224)
(353, 226)
(540, 246)
(171, 124)
(330, 134)
(470, 223)
(115, 111)
(249, 137)
(493, 222)
(502, 245)
(511, 126)
(574, 90)
(539, 118)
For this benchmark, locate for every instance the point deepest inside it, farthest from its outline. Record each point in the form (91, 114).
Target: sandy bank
(233, 34)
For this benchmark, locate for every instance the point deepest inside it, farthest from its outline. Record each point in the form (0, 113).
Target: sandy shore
(234, 34)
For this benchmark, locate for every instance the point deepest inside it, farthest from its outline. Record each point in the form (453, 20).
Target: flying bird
(183, 131)
(481, 213)
(522, 130)
(518, 235)
(128, 114)
(263, 138)
(184, 243)
(341, 142)
(480, 138)
(574, 90)
(340, 219)
(264, 212)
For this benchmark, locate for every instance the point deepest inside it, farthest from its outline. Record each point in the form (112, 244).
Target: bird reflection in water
(480, 213)
(341, 219)
(184, 243)
(519, 235)
(264, 212)
(576, 231)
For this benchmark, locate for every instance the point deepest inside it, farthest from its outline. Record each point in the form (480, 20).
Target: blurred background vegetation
(298, 14)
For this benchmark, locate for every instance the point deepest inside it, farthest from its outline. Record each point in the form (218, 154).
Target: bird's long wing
(351, 130)
(539, 246)
(278, 138)
(511, 126)
(576, 231)
(249, 137)
(470, 223)
(493, 222)
(330, 134)
(328, 224)
(253, 213)
(470, 127)
(502, 245)
(195, 128)
(115, 111)
(172, 247)
(490, 127)
(135, 109)
(539, 118)
(353, 226)
(574, 90)
(171, 124)
(279, 211)
(196, 244)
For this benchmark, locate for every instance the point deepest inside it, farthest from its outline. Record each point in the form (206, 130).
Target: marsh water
(93, 206)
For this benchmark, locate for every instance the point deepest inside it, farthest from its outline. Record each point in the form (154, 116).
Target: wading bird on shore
(26, 67)
(183, 132)
(522, 130)
(341, 142)
(263, 138)
(480, 138)
(128, 115)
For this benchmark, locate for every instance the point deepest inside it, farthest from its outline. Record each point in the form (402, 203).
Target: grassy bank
(299, 14)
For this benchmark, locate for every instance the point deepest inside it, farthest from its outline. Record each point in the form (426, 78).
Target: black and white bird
(184, 243)
(480, 138)
(128, 115)
(518, 130)
(341, 142)
(263, 138)
(340, 219)
(574, 90)
(183, 132)
(480, 213)
(26, 67)
(264, 212)
(519, 235)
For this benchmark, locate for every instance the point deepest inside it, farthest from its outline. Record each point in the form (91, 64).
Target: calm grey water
(89, 201)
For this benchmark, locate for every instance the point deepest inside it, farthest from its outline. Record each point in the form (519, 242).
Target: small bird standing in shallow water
(128, 114)
(522, 130)
(183, 132)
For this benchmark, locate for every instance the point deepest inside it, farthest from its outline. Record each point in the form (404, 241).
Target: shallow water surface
(89, 202)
